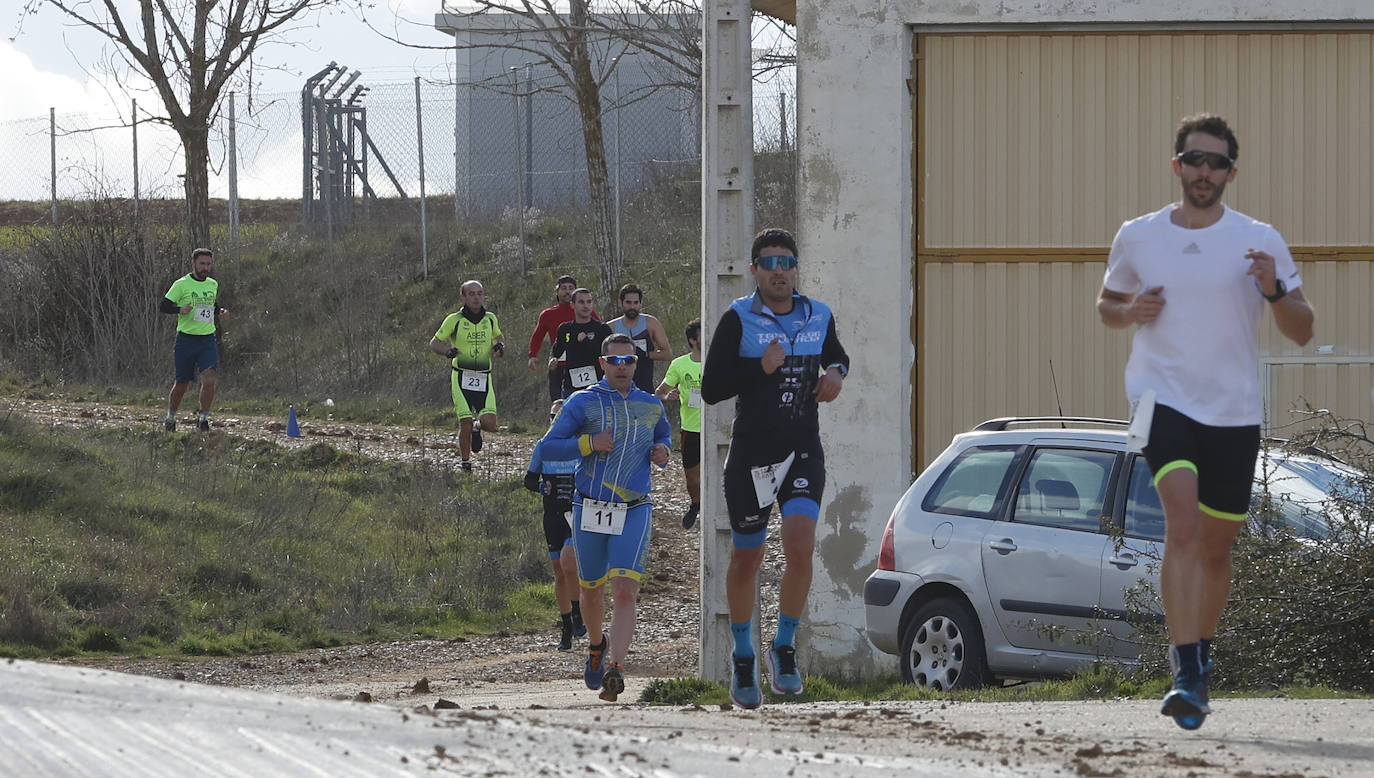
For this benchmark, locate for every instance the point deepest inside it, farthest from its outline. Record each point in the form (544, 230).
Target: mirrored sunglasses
(784, 262)
(620, 359)
(1196, 157)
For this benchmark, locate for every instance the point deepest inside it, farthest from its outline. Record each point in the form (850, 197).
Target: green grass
(137, 542)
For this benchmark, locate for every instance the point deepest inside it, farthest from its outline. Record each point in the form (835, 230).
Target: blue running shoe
(595, 671)
(1188, 701)
(744, 683)
(783, 674)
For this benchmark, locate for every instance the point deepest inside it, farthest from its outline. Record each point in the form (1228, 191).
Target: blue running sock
(744, 643)
(787, 630)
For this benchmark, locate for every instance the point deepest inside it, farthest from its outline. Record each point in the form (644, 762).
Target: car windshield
(1299, 503)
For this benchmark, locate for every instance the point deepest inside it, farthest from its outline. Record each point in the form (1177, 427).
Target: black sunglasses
(1196, 157)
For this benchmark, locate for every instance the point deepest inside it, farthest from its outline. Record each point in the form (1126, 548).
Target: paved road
(66, 721)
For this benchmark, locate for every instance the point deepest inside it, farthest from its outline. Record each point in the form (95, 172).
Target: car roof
(1070, 429)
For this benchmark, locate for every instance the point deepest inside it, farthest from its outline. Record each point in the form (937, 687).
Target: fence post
(424, 223)
(233, 181)
(52, 160)
(133, 125)
(519, 162)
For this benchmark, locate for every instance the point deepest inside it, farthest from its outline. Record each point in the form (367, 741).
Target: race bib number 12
(582, 376)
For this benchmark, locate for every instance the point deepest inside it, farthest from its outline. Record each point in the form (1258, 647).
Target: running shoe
(579, 629)
(744, 683)
(1187, 702)
(595, 671)
(689, 519)
(613, 684)
(565, 640)
(783, 674)
(476, 438)
(465, 466)
(170, 423)
(204, 423)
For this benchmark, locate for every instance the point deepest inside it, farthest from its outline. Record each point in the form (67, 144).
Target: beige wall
(1054, 140)
(1034, 148)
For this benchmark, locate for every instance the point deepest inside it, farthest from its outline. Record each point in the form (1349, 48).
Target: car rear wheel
(942, 647)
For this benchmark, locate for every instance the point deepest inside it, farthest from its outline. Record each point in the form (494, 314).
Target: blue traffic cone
(293, 429)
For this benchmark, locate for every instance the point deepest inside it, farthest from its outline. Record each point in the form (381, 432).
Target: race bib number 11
(604, 518)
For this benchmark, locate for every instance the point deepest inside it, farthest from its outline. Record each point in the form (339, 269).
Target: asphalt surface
(66, 721)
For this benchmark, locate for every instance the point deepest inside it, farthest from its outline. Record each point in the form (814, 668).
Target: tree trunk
(195, 144)
(588, 96)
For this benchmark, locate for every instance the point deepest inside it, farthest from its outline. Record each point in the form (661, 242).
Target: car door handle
(1124, 560)
(1003, 546)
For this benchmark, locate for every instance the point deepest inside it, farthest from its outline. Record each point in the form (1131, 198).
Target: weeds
(132, 541)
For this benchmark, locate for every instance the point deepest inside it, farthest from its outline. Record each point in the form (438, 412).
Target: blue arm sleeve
(561, 440)
(535, 464)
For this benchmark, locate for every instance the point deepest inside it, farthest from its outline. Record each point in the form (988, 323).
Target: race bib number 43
(205, 313)
(582, 376)
(604, 518)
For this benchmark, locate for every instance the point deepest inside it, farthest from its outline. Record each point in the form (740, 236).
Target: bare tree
(191, 51)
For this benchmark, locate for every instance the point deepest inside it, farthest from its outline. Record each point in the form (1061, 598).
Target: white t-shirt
(1201, 356)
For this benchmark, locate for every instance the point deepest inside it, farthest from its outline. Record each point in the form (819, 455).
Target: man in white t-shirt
(1196, 276)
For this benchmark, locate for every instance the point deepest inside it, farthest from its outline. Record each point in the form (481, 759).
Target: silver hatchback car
(1012, 554)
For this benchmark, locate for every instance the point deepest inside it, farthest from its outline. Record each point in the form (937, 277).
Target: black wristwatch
(1279, 291)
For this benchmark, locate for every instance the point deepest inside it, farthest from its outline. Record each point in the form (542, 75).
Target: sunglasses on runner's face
(1215, 160)
(620, 359)
(784, 262)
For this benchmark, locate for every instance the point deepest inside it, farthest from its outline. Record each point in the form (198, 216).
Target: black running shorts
(1222, 457)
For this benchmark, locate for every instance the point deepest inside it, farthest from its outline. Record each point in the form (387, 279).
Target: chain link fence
(486, 149)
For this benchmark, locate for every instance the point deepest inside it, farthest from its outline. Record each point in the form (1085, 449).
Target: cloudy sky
(49, 61)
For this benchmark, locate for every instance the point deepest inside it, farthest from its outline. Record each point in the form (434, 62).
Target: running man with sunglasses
(616, 430)
(1195, 278)
(777, 353)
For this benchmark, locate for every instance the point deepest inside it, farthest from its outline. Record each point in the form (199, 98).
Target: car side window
(1065, 488)
(972, 483)
(1144, 513)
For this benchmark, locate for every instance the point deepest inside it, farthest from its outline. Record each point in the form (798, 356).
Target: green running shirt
(200, 295)
(685, 374)
(473, 340)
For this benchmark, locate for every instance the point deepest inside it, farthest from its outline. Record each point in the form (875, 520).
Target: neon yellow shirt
(473, 340)
(685, 374)
(200, 295)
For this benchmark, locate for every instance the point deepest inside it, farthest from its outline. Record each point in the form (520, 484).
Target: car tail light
(887, 555)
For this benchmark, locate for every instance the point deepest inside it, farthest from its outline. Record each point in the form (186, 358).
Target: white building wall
(855, 228)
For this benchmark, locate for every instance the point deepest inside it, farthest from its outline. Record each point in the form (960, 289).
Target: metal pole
(616, 65)
(424, 222)
(519, 175)
(233, 181)
(457, 138)
(133, 125)
(782, 115)
(52, 159)
(529, 137)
